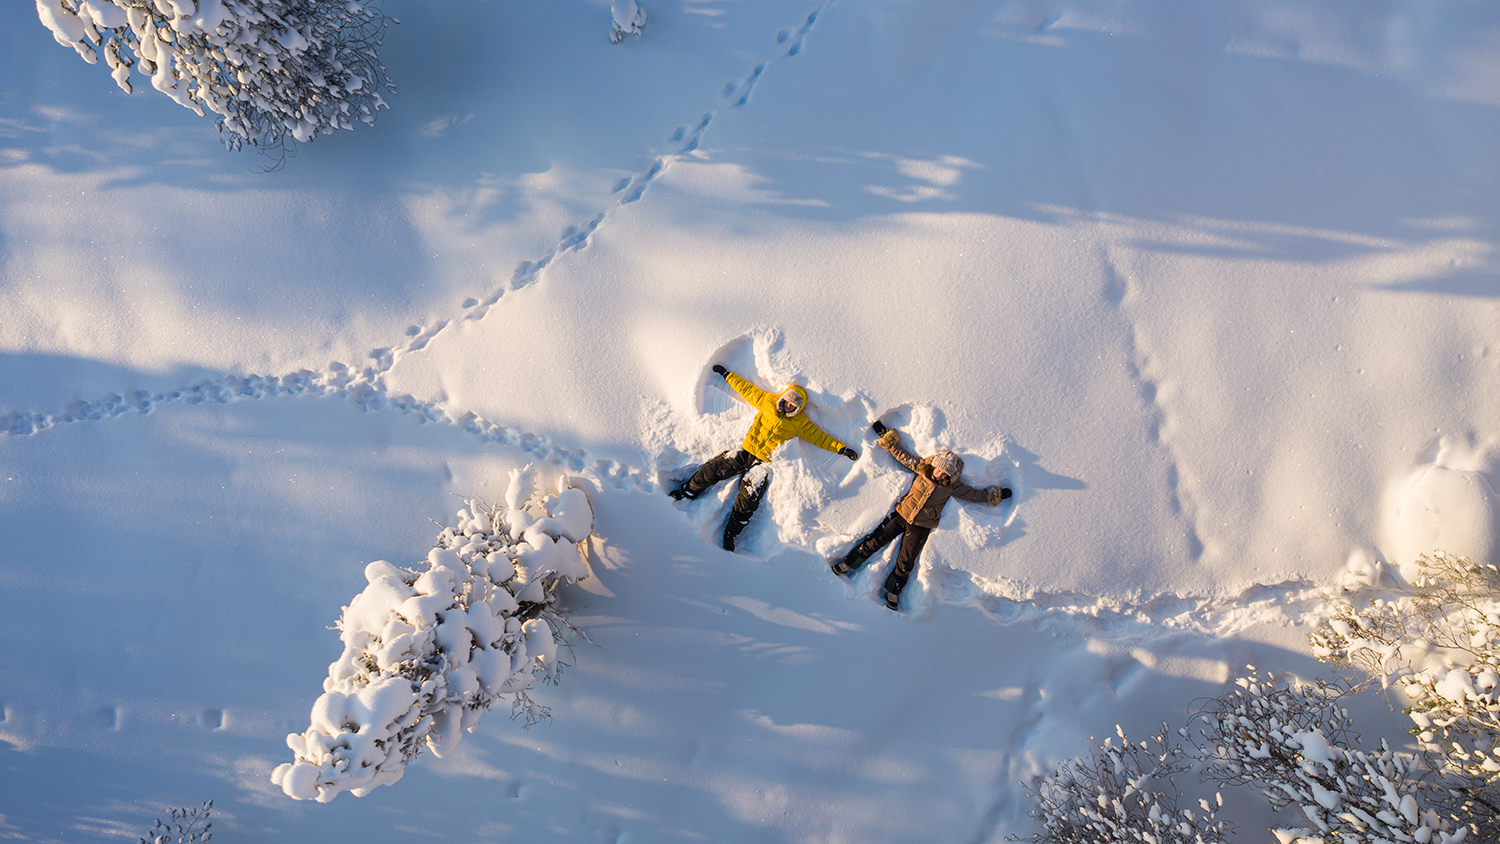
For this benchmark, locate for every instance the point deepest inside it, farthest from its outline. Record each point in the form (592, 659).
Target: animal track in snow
(627, 191)
(364, 389)
(1116, 291)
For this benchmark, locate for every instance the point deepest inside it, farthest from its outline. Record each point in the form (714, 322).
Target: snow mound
(427, 652)
(1443, 506)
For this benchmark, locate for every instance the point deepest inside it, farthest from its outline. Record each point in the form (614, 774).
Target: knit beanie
(946, 462)
(793, 398)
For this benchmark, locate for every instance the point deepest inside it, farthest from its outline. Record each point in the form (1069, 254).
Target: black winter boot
(731, 532)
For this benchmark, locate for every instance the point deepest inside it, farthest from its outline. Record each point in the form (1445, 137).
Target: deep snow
(1213, 287)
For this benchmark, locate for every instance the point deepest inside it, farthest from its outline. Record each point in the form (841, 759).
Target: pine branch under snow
(271, 69)
(1123, 793)
(1290, 740)
(427, 651)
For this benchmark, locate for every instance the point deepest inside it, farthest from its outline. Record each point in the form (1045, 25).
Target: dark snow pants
(913, 538)
(752, 487)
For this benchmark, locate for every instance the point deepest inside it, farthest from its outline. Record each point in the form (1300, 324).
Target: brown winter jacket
(924, 502)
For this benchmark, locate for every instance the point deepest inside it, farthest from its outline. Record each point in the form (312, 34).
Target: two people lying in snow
(779, 419)
(916, 514)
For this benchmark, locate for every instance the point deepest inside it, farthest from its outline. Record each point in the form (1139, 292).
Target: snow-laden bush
(427, 651)
(1122, 793)
(627, 19)
(271, 69)
(1290, 741)
(1438, 647)
(185, 826)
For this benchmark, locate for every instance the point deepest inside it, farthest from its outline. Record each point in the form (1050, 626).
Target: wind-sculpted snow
(427, 652)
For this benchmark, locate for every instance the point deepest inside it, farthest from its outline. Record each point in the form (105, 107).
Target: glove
(720, 370)
(850, 453)
(997, 494)
(879, 428)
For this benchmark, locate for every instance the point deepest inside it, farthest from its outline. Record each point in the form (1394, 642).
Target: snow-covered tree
(1438, 647)
(1293, 741)
(270, 69)
(428, 650)
(1122, 793)
(627, 18)
(1290, 741)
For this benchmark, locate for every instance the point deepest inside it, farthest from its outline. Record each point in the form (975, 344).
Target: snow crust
(1212, 287)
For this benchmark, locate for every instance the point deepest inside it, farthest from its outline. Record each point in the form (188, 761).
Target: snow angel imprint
(916, 514)
(779, 419)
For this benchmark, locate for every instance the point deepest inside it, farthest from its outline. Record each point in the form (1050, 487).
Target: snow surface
(1212, 286)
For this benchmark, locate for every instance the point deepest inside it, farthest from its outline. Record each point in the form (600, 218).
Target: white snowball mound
(628, 20)
(1441, 507)
(426, 652)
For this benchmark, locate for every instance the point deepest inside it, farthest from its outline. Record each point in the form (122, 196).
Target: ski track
(1149, 618)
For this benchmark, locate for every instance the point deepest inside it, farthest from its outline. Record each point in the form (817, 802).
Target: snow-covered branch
(1122, 793)
(1438, 648)
(427, 651)
(1290, 741)
(271, 69)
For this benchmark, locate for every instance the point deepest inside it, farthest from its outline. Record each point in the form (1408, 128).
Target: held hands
(720, 370)
(850, 453)
(997, 494)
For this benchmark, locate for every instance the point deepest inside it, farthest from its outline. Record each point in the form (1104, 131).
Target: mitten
(997, 494)
(879, 428)
(720, 370)
(850, 453)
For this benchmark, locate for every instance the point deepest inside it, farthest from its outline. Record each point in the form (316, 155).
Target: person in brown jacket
(917, 513)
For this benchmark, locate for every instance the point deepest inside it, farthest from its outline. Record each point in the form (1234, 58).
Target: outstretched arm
(749, 392)
(891, 441)
(819, 437)
(970, 494)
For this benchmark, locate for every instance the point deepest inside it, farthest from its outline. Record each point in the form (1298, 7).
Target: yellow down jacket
(770, 429)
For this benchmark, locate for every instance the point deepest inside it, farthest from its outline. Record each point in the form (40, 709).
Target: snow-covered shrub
(627, 19)
(1438, 647)
(427, 651)
(1290, 741)
(271, 69)
(186, 826)
(1122, 793)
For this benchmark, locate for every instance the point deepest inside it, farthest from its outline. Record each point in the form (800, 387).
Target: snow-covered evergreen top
(269, 68)
(427, 651)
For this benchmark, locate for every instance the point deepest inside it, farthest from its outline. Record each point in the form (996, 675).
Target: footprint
(1122, 673)
(213, 719)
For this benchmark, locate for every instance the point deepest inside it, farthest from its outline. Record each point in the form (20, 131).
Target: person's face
(940, 476)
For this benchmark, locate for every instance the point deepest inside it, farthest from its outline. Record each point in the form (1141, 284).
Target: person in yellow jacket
(780, 419)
